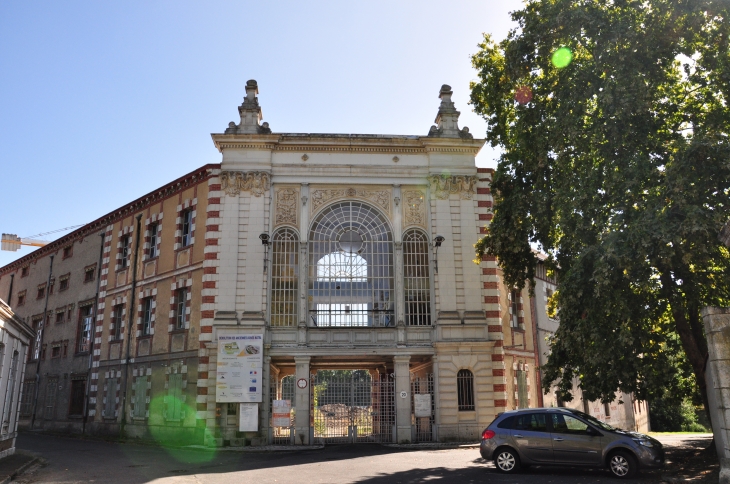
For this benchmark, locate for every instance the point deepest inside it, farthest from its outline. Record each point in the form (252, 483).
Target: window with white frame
(117, 319)
(416, 278)
(146, 316)
(351, 267)
(85, 324)
(514, 309)
(187, 227)
(124, 246)
(284, 277)
(181, 299)
(154, 236)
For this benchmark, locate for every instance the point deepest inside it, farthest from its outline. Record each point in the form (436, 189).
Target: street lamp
(437, 241)
(265, 241)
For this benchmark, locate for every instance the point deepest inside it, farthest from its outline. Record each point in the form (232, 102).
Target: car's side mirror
(592, 432)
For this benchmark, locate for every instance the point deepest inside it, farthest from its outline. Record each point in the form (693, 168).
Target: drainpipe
(91, 353)
(125, 376)
(10, 291)
(39, 338)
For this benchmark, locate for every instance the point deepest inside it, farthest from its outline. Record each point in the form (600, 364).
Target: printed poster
(240, 372)
(281, 412)
(422, 404)
(249, 417)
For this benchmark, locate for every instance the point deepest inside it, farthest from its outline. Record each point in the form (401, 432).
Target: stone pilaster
(302, 400)
(401, 365)
(717, 329)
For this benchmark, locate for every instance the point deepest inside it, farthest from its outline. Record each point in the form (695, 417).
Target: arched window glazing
(350, 267)
(284, 277)
(416, 278)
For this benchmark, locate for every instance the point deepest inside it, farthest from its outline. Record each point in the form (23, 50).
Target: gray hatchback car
(567, 437)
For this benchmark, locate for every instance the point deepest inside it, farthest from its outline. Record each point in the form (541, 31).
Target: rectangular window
(110, 404)
(514, 321)
(49, 411)
(117, 318)
(78, 389)
(50, 289)
(146, 316)
(68, 251)
(154, 236)
(181, 299)
(38, 328)
(21, 298)
(465, 390)
(174, 397)
(63, 284)
(65, 349)
(534, 422)
(41, 292)
(24, 271)
(522, 389)
(140, 397)
(124, 251)
(85, 325)
(187, 227)
(89, 273)
(26, 402)
(60, 316)
(56, 351)
(607, 409)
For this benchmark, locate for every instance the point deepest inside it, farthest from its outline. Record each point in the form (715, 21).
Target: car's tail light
(487, 434)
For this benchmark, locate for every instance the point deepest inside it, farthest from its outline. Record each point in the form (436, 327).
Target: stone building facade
(349, 257)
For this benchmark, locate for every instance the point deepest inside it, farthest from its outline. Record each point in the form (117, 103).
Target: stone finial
(447, 118)
(251, 114)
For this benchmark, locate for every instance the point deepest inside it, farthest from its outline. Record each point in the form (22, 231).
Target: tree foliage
(616, 167)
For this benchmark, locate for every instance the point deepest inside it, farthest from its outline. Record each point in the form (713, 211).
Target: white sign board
(280, 413)
(249, 417)
(422, 404)
(239, 375)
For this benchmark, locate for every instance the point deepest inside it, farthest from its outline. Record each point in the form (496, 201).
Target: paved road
(74, 460)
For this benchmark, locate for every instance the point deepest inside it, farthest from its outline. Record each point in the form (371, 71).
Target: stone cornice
(98, 225)
(344, 143)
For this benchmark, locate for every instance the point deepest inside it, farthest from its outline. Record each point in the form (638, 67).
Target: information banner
(240, 373)
(281, 413)
(422, 404)
(249, 417)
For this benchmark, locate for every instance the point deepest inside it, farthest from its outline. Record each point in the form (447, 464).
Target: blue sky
(102, 102)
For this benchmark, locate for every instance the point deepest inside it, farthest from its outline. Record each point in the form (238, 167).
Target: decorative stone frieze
(321, 197)
(443, 185)
(286, 206)
(414, 210)
(235, 182)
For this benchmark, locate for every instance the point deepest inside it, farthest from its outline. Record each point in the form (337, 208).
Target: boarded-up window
(110, 404)
(140, 397)
(522, 389)
(174, 407)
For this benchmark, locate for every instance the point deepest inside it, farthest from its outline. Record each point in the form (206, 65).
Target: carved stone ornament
(414, 211)
(321, 197)
(235, 182)
(443, 185)
(286, 206)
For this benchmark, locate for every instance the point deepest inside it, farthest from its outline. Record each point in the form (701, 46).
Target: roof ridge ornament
(251, 114)
(447, 118)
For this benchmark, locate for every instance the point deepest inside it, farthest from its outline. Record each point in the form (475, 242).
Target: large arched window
(416, 278)
(350, 267)
(284, 278)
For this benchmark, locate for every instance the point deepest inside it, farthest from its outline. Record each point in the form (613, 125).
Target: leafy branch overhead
(616, 164)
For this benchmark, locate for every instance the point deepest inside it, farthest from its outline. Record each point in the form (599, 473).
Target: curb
(434, 446)
(20, 470)
(251, 449)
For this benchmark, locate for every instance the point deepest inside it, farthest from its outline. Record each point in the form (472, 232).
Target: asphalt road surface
(70, 460)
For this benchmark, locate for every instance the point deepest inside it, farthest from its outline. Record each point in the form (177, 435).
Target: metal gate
(281, 389)
(351, 406)
(422, 403)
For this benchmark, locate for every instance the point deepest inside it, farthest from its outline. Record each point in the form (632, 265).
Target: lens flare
(562, 57)
(523, 94)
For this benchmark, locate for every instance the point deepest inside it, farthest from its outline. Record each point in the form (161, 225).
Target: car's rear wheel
(507, 460)
(623, 465)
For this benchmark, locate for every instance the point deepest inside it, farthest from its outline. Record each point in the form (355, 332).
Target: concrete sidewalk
(14, 465)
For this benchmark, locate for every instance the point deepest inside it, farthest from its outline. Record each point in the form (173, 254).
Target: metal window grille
(187, 225)
(50, 402)
(351, 267)
(10, 389)
(117, 318)
(85, 329)
(110, 405)
(423, 426)
(522, 389)
(181, 298)
(146, 316)
(514, 322)
(282, 389)
(174, 407)
(140, 397)
(26, 402)
(284, 278)
(416, 278)
(465, 390)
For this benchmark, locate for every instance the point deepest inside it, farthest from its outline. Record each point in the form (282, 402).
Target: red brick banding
(493, 328)
(206, 314)
(208, 299)
(214, 214)
(490, 285)
(483, 191)
(500, 387)
(497, 357)
(211, 255)
(206, 329)
(500, 403)
(492, 314)
(208, 284)
(214, 201)
(210, 270)
(215, 187)
(498, 372)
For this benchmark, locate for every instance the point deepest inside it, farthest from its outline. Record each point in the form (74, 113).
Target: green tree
(615, 163)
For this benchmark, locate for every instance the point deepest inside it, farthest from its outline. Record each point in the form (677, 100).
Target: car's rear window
(506, 423)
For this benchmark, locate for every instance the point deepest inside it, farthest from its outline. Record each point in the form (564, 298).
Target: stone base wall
(717, 329)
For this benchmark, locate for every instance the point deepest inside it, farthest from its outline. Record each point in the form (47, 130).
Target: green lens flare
(172, 425)
(562, 57)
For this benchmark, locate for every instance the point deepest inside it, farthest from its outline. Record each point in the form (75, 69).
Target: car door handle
(518, 436)
(558, 439)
